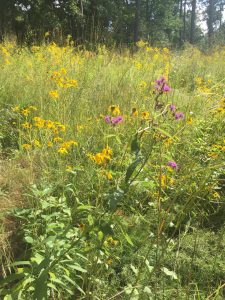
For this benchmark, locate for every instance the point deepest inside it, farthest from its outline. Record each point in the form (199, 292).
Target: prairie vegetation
(112, 173)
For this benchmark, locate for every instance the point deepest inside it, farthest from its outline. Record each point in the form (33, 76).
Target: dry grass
(15, 175)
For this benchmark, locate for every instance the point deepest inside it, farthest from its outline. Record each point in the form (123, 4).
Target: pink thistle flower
(107, 119)
(161, 85)
(179, 115)
(172, 107)
(116, 120)
(172, 164)
(166, 88)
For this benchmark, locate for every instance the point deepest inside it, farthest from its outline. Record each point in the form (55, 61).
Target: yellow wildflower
(25, 112)
(39, 122)
(62, 150)
(145, 115)
(33, 107)
(37, 143)
(138, 65)
(58, 139)
(26, 146)
(54, 94)
(114, 109)
(168, 141)
(134, 112)
(50, 144)
(190, 121)
(16, 108)
(69, 168)
(26, 125)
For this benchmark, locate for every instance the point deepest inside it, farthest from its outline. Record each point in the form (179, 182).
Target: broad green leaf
(132, 167)
(135, 145)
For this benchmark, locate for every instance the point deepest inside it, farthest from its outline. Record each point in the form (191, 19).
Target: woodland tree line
(164, 22)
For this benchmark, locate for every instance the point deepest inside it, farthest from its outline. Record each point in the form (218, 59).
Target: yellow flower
(16, 108)
(50, 144)
(62, 150)
(37, 143)
(26, 146)
(145, 115)
(58, 139)
(138, 65)
(143, 84)
(134, 112)
(114, 109)
(39, 122)
(141, 44)
(216, 195)
(25, 112)
(33, 107)
(108, 175)
(54, 94)
(101, 157)
(190, 121)
(61, 127)
(168, 141)
(63, 71)
(69, 168)
(26, 125)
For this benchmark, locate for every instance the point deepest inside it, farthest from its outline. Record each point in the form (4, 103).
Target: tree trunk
(137, 20)
(193, 18)
(184, 20)
(210, 11)
(181, 15)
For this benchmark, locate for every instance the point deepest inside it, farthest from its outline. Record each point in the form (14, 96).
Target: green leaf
(21, 263)
(135, 145)
(29, 239)
(11, 278)
(41, 288)
(135, 270)
(132, 167)
(150, 268)
(163, 132)
(172, 274)
(90, 220)
(77, 268)
(115, 198)
(127, 237)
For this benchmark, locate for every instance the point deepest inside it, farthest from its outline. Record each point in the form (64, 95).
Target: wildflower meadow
(112, 173)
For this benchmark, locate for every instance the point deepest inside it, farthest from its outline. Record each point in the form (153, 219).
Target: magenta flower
(116, 120)
(172, 107)
(161, 85)
(172, 164)
(107, 119)
(179, 115)
(166, 88)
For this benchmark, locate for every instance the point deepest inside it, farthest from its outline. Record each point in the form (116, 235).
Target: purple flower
(116, 120)
(166, 88)
(179, 115)
(161, 80)
(107, 119)
(172, 107)
(161, 85)
(172, 164)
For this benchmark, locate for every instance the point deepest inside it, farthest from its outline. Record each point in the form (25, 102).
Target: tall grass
(128, 199)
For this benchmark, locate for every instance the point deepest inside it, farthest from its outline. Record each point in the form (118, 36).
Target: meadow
(112, 173)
